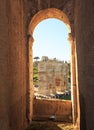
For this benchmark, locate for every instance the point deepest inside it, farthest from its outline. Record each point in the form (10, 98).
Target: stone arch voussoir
(48, 13)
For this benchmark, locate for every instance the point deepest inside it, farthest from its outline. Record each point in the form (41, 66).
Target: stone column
(30, 87)
(13, 66)
(73, 80)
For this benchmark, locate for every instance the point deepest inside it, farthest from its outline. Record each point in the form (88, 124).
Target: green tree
(36, 58)
(35, 74)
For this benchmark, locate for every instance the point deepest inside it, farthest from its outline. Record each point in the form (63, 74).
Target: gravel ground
(50, 125)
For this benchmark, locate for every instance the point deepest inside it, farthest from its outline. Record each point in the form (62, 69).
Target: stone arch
(48, 13)
(37, 18)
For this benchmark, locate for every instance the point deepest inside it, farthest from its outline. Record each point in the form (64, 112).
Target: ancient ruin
(18, 18)
(53, 76)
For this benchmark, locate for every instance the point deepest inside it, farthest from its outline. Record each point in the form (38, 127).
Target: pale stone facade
(53, 76)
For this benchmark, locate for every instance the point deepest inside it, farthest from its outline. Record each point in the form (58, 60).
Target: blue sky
(50, 39)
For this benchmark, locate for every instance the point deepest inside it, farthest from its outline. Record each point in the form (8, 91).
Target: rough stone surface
(50, 125)
(84, 25)
(12, 66)
(15, 85)
(4, 93)
(32, 7)
(62, 110)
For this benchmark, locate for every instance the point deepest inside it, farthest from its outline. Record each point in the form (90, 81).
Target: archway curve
(36, 19)
(48, 13)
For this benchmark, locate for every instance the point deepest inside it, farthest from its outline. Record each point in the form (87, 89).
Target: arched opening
(51, 65)
(44, 14)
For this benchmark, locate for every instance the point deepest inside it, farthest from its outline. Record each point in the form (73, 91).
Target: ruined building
(18, 19)
(53, 76)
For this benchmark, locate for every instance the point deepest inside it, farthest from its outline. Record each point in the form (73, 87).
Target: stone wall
(12, 66)
(44, 109)
(53, 76)
(4, 93)
(32, 7)
(14, 85)
(84, 25)
(14, 59)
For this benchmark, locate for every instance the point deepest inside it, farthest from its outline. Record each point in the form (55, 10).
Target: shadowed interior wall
(15, 89)
(4, 93)
(13, 57)
(84, 25)
(12, 66)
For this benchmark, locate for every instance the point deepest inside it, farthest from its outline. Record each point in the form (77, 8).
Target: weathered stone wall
(12, 66)
(14, 73)
(38, 10)
(53, 75)
(43, 109)
(84, 25)
(32, 7)
(17, 65)
(4, 93)
(13, 57)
